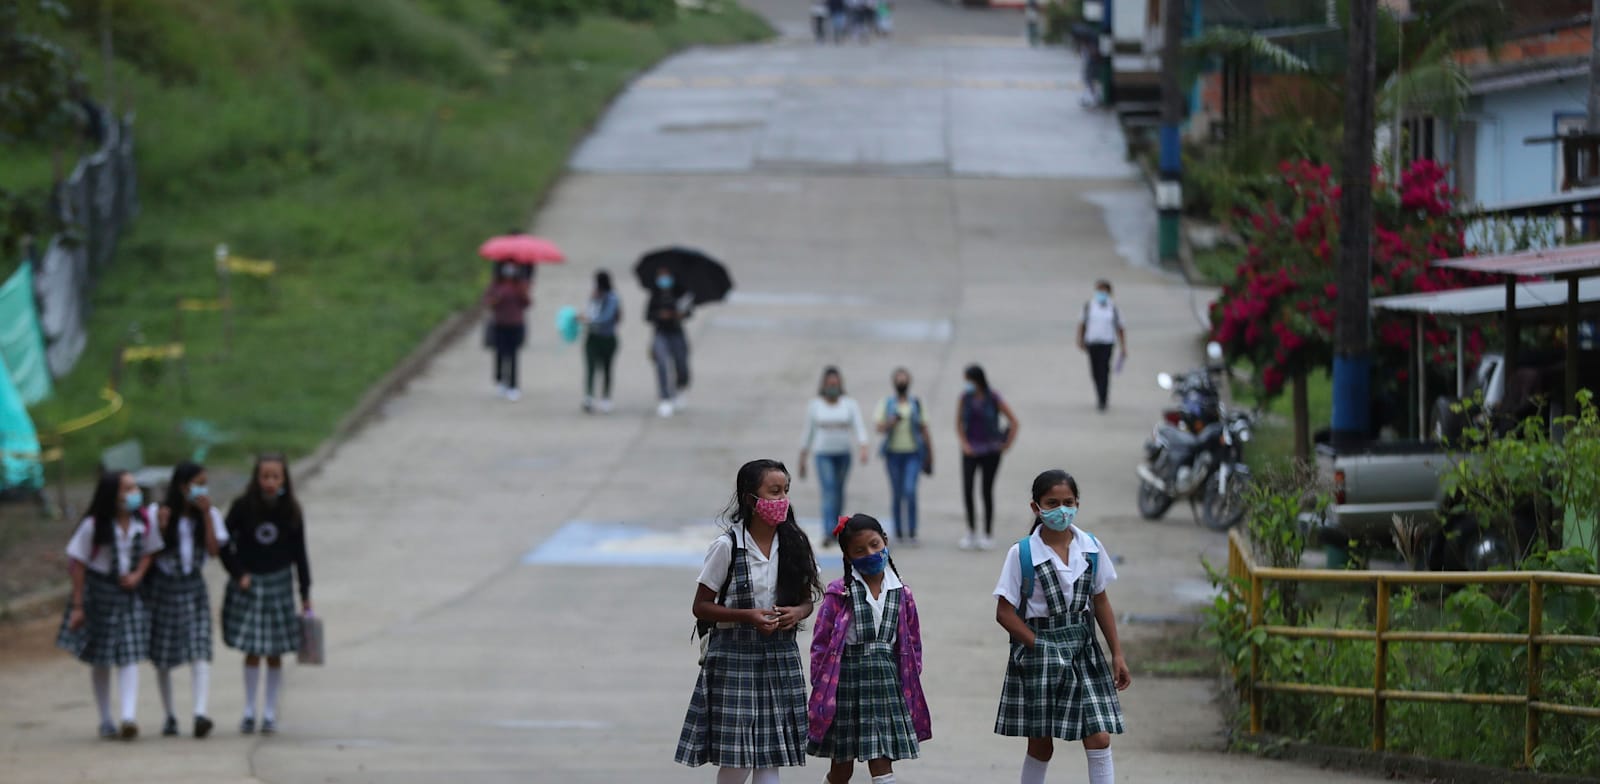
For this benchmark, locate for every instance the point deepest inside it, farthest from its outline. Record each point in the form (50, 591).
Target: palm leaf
(1228, 40)
(1435, 84)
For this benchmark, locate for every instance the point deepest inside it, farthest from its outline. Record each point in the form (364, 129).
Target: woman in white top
(180, 609)
(833, 426)
(106, 624)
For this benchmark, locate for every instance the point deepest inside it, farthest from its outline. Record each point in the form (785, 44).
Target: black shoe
(169, 728)
(269, 726)
(129, 731)
(248, 725)
(202, 726)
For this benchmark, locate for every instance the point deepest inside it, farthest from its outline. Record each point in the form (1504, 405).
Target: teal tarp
(21, 442)
(21, 342)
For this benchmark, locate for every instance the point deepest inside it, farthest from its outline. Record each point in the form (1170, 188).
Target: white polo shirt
(763, 568)
(81, 546)
(891, 581)
(1101, 322)
(1010, 585)
(188, 558)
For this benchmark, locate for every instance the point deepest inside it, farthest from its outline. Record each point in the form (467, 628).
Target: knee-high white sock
(252, 679)
(887, 778)
(765, 776)
(164, 685)
(101, 677)
(128, 685)
(1033, 770)
(1100, 771)
(200, 680)
(732, 775)
(274, 680)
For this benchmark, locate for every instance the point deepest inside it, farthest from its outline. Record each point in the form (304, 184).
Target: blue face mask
(869, 565)
(664, 281)
(1102, 297)
(1059, 518)
(133, 500)
(970, 387)
(198, 491)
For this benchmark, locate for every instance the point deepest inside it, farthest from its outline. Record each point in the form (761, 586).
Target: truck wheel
(1153, 502)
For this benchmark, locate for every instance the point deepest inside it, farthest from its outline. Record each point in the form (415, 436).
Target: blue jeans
(904, 470)
(832, 471)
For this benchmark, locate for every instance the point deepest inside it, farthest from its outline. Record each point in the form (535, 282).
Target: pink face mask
(772, 511)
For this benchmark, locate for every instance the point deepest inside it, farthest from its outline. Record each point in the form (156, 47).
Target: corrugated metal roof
(1514, 76)
(1570, 260)
(1485, 300)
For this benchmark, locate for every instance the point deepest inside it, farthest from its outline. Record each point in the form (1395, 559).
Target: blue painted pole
(1352, 362)
(1169, 188)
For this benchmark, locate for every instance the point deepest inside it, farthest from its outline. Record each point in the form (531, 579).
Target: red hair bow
(840, 527)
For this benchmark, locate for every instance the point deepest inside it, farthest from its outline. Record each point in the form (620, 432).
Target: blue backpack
(1025, 559)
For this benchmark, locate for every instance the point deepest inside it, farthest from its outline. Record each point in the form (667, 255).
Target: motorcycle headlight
(1244, 435)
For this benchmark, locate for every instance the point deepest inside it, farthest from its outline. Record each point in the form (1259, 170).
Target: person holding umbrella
(669, 305)
(508, 300)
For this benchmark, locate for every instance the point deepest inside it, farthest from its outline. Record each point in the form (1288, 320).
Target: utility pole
(1169, 190)
(1352, 360)
(1594, 69)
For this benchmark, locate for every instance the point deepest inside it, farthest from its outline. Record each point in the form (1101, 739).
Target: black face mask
(901, 388)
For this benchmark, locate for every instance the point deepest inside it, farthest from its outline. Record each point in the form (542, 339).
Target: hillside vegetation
(366, 147)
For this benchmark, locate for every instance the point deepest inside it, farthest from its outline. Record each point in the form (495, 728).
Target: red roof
(1570, 261)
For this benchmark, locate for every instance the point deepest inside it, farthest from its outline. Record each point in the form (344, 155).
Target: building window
(1420, 140)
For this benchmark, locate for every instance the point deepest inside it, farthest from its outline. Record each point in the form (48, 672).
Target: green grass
(367, 148)
(1273, 439)
(1217, 265)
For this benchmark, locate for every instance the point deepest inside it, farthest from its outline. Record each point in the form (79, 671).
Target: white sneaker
(969, 541)
(665, 409)
(513, 395)
(605, 405)
(985, 543)
(500, 390)
(588, 405)
(679, 402)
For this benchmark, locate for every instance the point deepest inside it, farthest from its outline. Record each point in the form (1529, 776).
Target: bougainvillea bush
(1279, 312)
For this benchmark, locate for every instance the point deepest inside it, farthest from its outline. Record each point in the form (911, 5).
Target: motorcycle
(1197, 452)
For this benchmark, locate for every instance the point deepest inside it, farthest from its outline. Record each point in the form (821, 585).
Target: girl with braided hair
(867, 702)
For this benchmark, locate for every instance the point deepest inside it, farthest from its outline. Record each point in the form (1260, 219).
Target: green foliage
(390, 34)
(37, 74)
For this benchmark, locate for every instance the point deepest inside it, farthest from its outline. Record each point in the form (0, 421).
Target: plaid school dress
(872, 721)
(116, 623)
(749, 704)
(180, 613)
(262, 621)
(1063, 687)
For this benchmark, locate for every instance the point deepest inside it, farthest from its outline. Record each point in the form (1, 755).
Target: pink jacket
(827, 653)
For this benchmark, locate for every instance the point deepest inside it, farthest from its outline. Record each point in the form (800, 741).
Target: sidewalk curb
(30, 605)
(392, 382)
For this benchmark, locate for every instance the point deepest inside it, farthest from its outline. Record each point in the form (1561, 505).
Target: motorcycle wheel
(1153, 503)
(1221, 510)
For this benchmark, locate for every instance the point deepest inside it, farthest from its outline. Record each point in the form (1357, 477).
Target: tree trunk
(1302, 420)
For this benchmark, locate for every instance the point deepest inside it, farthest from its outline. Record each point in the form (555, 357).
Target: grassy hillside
(367, 148)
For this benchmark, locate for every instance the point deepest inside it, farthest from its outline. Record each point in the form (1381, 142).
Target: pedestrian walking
(819, 21)
(907, 452)
(885, 13)
(863, 18)
(984, 438)
(759, 581)
(180, 609)
(600, 342)
(834, 430)
(509, 297)
(1030, 16)
(867, 702)
(839, 14)
(1052, 592)
(1099, 332)
(669, 305)
(266, 538)
(107, 624)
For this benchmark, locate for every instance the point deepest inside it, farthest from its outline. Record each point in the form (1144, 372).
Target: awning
(1570, 261)
(1488, 300)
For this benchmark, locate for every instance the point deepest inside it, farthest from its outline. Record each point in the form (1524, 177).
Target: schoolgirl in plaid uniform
(748, 710)
(1058, 683)
(180, 609)
(867, 701)
(266, 536)
(106, 623)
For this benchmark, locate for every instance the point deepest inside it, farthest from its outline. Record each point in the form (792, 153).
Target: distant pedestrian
(885, 18)
(819, 21)
(1058, 683)
(984, 438)
(267, 538)
(669, 305)
(107, 623)
(600, 342)
(867, 702)
(834, 431)
(1030, 16)
(907, 452)
(863, 18)
(839, 15)
(509, 297)
(759, 582)
(1099, 332)
(180, 626)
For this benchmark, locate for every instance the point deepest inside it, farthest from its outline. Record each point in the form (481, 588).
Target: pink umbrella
(522, 249)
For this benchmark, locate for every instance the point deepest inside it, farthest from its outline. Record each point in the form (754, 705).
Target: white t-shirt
(188, 558)
(891, 581)
(1010, 585)
(1101, 322)
(829, 426)
(763, 568)
(81, 547)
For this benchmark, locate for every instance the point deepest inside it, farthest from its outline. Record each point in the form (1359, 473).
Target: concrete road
(507, 586)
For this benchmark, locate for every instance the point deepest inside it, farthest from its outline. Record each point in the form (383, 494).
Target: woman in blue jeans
(907, 452)
(833, 426)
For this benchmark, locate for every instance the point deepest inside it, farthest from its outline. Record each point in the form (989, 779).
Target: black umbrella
(702, 276)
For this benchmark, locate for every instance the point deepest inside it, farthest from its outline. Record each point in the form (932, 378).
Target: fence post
(1535, 628)
(1380, 668)
(1255, 655)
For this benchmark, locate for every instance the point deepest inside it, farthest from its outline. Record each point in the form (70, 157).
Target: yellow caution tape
(196, 305)
(152, 353)
(113, 405)
(256, 268)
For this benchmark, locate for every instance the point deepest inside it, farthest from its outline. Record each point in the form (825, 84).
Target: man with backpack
(1099, 333)
(907, 452)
